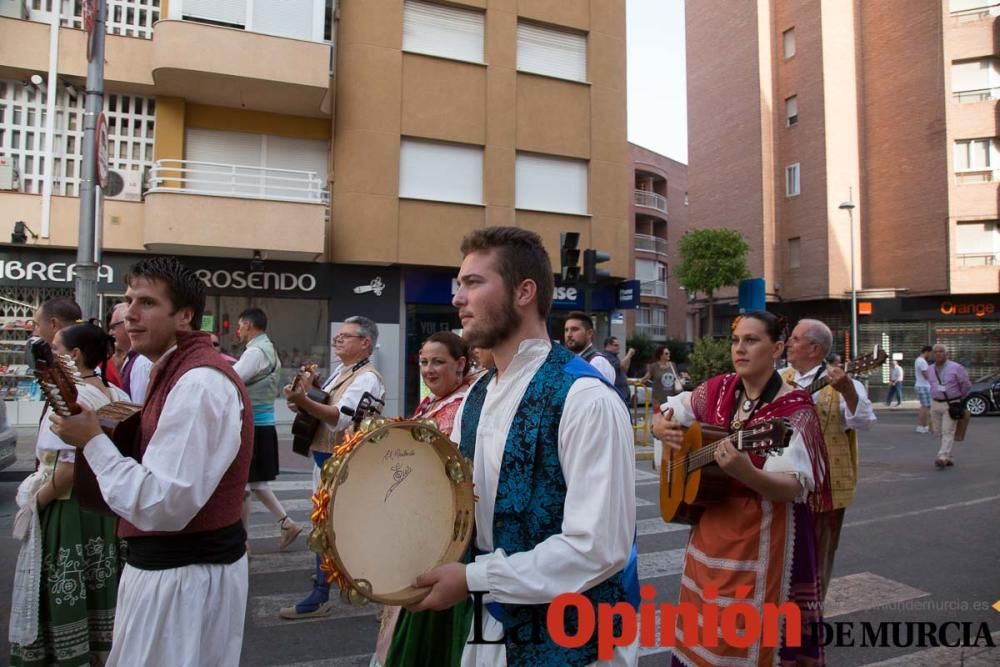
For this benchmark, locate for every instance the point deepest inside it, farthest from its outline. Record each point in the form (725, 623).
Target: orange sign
(977, 309)
(864, 308)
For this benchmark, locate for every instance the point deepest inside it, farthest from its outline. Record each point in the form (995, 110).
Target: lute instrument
(58, 376)
(305, 425)
(690, 480)
(862, 364)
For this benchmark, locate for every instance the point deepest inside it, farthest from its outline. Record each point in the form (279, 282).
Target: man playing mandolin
(354, 345)
(843, 409)
(758, 541)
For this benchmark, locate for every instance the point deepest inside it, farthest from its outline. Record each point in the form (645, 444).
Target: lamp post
(849, 207)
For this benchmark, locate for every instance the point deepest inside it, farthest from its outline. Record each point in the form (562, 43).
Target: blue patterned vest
(529, 504)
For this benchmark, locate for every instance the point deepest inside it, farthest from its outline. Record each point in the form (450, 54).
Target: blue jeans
(897, 391)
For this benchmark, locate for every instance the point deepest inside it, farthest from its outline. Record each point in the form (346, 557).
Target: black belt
(941, 400)
(222, 546)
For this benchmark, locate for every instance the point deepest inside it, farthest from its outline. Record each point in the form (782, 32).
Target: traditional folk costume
(554, 469)
(345, 389)
(431, 638)
(840, 429)
(747, 541)
(183, 593)
(66, 582)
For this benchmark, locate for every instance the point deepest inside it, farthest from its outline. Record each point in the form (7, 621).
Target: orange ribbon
(321, 506)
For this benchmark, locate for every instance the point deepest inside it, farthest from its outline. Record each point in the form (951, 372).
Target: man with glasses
(134, 367)
(844, 409)
(354, 345)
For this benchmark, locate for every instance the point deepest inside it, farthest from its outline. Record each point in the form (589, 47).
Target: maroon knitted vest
(194, 350)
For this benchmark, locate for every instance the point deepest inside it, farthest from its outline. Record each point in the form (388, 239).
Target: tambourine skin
(393, 503)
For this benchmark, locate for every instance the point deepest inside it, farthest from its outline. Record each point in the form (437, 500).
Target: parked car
(8, 440)
(985, 396)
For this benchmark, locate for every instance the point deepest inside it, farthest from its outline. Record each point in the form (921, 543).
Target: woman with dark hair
(431, 638)
(666, 382)
(760, 542)
(77, 555)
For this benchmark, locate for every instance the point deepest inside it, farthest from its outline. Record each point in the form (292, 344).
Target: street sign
(101, 137)
(89, 12)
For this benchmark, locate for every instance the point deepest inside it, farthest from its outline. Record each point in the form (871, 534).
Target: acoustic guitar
(305, 425)
(58, 376)
(690, 480)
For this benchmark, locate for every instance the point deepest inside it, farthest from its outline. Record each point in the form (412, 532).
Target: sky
(657, 83)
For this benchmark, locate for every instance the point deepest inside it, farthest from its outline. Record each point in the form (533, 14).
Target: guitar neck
(706, 455)
(817, 384)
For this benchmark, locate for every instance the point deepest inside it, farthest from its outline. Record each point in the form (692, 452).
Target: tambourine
(394, 501)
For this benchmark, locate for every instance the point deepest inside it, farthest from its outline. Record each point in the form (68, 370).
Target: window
(297, 19)
(793, 253)
(551, 52)
(548, 183)
(791, 111)
(792, 180)
(977, 243)
(975, 80)
(442, 30)
(237, 164)
(22, 135)
(788, 42)
(441, 171)
(975, 154)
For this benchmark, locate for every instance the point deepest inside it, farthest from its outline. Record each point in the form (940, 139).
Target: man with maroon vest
(183, 593)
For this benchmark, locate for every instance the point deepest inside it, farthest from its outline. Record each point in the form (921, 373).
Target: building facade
(887, 106)
(659, 216)
(303, 137)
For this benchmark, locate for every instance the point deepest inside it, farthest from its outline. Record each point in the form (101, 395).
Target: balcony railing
(130, 18)
(977, 95)
(651, 330)
(654, 288)
(231, 180)
(979, 259)
(650, 243)
(984, 175)
(975, 13)
(651, 200)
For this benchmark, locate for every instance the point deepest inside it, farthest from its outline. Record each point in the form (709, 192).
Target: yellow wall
(258, 122)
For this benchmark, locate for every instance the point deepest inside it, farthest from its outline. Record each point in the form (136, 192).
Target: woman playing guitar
(763, 535)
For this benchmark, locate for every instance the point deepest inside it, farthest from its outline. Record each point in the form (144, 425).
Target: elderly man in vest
(354, 344)
(260, 369)
(843, 408)
(183, 593)
(553, 466)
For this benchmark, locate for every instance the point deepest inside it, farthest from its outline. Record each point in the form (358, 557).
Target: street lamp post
(849, 207)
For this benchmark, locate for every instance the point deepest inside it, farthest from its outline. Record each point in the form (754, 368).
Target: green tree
(709, 358)
(710, 260)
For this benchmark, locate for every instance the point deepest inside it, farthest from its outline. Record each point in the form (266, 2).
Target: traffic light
(569, 256)
(591, 258)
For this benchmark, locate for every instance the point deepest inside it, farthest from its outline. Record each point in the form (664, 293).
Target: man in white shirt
(922, 385)
(578, 335)
(582, 489)
(843, 408)
(135, 367)
(354, 344)
(182, 595)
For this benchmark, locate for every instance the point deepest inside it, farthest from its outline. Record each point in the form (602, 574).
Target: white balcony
(979, 259)
(656, 288)
(232, 180)
(651, 330)
(967, 14)
(650, 243)
(651, 200)
(978, 95)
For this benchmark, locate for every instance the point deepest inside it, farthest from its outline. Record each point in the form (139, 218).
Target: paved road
(919, 545)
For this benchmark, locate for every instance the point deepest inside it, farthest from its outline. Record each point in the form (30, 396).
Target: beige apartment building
(796, 108)
(317, 158)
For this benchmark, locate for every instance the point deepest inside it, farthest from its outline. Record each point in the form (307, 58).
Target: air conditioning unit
(16, 9)
(9, 178)
(124, 185)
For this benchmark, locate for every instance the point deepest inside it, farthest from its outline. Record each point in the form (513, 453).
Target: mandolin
(305, 425)
(690, 479)
(58, 376)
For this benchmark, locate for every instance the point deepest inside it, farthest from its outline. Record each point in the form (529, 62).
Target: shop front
(303, 302)
(428, 296)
